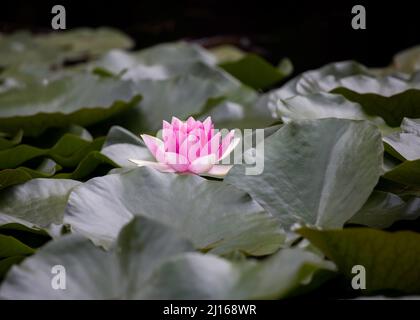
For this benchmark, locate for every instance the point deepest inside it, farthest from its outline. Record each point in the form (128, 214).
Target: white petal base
(158, 166)
(217, 170)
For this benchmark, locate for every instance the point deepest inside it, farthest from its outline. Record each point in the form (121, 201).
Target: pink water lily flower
(190, 147)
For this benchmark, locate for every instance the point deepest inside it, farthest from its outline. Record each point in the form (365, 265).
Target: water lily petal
(226, 141)
(162, 167)
(177, 161)
(181, 134)
(166, 125)
(230, 148)
(212, 146)
(171, 143)
(188, 146)
(183, 148)
(207, 124)
(166, 132)
(155, 146)
(202, 164)
(176, 123)
(199, 132)
(219, 170)
(190, 124)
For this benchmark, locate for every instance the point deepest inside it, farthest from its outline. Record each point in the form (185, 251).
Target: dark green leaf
(382, 209)
(12, 141)
(10, 247)
(391, 260)
(254, 71)
(393, 109)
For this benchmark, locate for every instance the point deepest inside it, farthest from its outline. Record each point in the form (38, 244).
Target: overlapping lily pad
(391, 97)
(405, 145)
(382, 209)
(230, 221)
(171, 235)
(68, 152)
(40, 202)
(179, 96)
(393, 109)
(391, 260)
(406, 173)
(255, 72)
(169, 270)
(158, 62)
(10, 177)
(313, 172)
(81, 99)
(320, 106)
(9, 141)
(17, 242)
(54, 48)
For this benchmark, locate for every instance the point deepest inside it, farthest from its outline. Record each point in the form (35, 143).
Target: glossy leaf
(382, 209)
(313, 172)
(81, 99)
(254, 71)
(391, 260)
(150, 261)
(231, 221)
(40, 202)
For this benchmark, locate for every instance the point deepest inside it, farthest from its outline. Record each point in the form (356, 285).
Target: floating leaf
(21, 48)
(87, 165)
(12, 141)
(84, 42)
(405, 145)
(194, 276)
(121, 152)
(54, 48)
(179, 97)
(175, 53)
(121, 145)
(119, 135)
(391, 260)
(241, 109)
(324, 79)
(382, 209)
(254, 71)
(313, 172)
(168, 270)
(320, 106)
(407, 173)
(68, 152)
(10, 247)
(391, 97)
(158, 62)
(40, 202)
(29, 235)
(231, 221)
(10, 177)
(80, 99)
(7, 263)
(393, 109)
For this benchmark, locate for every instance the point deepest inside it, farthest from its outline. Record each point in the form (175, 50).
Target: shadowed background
(311, 33)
